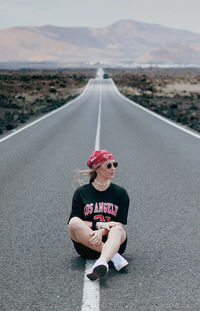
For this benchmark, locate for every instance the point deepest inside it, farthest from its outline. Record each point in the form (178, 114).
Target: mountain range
(126, 41)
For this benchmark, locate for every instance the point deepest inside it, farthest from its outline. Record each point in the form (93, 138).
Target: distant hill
(123, 41)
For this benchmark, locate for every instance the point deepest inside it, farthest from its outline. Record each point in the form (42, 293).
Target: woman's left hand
(96, 237)
(108, 225)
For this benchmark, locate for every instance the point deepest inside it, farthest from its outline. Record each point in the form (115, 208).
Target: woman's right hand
(96, 237)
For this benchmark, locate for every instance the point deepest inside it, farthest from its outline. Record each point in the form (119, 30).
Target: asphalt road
(158, 164)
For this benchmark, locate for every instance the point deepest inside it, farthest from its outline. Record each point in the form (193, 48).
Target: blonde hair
(91, 174)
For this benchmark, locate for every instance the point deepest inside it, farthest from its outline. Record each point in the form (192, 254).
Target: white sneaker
(119, 262)
(99, 270)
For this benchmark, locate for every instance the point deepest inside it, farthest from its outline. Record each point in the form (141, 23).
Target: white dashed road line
(91, 291)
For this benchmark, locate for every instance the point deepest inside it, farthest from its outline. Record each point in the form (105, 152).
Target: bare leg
(116, 237)
(80, 232)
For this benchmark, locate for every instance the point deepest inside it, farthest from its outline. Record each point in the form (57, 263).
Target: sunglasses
(114, 164)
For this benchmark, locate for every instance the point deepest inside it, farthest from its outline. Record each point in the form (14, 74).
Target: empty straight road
(159, 166)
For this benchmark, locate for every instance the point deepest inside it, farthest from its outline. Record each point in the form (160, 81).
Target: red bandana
(98, 157)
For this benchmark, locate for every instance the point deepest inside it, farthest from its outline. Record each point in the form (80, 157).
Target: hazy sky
(181, 14)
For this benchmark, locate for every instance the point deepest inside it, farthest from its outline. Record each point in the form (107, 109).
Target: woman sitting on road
(99, 211)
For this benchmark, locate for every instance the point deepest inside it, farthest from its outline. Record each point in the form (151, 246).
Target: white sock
(101, 261)
(116, 258)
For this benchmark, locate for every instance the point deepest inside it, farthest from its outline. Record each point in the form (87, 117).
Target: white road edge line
(157, 115)
(91, 292)
(46, 116)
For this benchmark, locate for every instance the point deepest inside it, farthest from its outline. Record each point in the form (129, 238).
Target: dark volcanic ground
(25, 94)
(173, 93)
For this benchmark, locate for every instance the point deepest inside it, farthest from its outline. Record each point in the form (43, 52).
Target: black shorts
(89, 253)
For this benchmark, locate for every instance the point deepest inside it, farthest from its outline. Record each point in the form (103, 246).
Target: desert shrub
(63, 85)
(9, 105)
(21, 98)
(7, 115)
(37, 109)
(15, 116)
(10, 126)
(25, 78)
(52, 90)
(36, 77)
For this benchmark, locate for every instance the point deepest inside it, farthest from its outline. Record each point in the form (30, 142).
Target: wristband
(99, 225)
(94, 224)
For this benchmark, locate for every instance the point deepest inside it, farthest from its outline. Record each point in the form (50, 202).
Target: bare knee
(79, 231)
(119, 231)
(117, 228)
(74, 223)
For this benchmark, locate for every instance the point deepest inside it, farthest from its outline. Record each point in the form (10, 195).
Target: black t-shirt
(109, 205)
